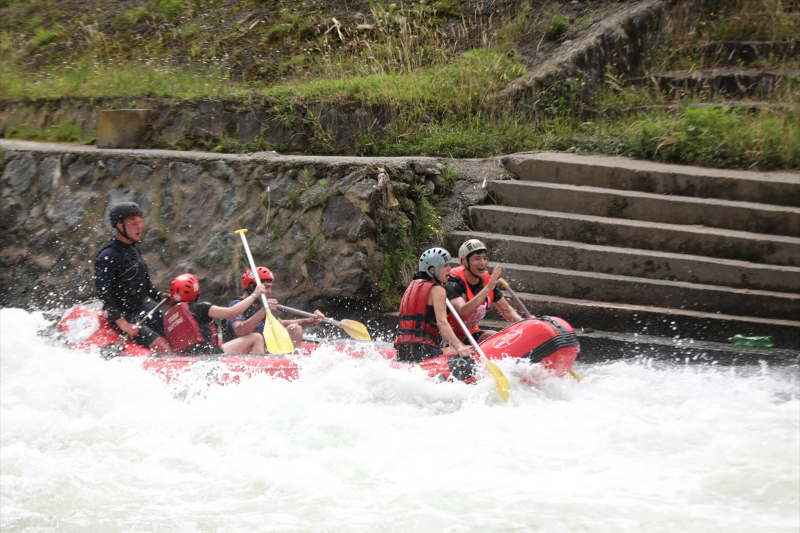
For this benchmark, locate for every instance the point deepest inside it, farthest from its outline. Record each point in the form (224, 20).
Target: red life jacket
(182, 330)
(478, 315)
(414, 325)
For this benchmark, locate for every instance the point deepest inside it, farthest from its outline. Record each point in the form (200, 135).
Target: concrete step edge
(633, 308)
(621, 250)
(664, 283)
(637, 165)
(700, 201)
(699, 230)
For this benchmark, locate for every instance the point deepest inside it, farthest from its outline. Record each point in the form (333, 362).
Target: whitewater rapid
(356, 446)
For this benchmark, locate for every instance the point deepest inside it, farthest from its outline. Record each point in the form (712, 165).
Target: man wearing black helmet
(123, 282)
(472, 290)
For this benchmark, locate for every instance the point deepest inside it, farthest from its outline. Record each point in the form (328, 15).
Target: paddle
(504, 283)
(276, 338)
(357, 330)
(113, 350)
(500, 379)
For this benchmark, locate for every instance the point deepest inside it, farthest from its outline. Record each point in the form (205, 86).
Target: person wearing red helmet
(252, 319)
(189, 325)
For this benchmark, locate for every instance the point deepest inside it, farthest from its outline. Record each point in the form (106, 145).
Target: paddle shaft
(253, 268)
(514, 297)
(308, 315)
(465, 329)
(126, 336)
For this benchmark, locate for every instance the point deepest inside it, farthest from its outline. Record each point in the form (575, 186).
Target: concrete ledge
(123, 128)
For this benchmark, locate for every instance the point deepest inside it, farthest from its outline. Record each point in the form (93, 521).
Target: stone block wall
(320, 240)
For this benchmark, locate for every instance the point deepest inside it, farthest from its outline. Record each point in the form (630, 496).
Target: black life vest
(131, 286)
(183, 331)
(415, 326)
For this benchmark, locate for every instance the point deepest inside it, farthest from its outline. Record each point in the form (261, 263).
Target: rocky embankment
(321, 240)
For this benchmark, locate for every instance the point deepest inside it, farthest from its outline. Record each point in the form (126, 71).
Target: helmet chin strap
(122, 231)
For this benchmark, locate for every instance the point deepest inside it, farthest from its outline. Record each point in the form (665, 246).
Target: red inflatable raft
(549, 341)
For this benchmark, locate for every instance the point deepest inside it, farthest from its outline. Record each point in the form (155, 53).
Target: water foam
(355, 445)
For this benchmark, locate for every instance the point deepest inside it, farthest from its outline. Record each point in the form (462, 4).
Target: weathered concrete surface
(730, 81)
(614, 288)
(617, 44)
(620, 245)
(634, 262)
(775, 188)
(634, 205)
(123, 128)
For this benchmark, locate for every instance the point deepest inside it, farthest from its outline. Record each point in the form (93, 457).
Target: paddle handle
(308, 315)
(504, 283)
(253, 269)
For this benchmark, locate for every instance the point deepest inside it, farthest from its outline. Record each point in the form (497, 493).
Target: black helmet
(120, 211)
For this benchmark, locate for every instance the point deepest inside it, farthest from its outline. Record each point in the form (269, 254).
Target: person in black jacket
(123, 282)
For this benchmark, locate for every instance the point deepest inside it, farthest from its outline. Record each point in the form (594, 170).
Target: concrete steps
(637, 263)
(634, 247)
(676, 238)
(634, 205)
(772, 188)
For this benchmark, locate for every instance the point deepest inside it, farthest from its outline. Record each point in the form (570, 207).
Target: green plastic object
(741, 340)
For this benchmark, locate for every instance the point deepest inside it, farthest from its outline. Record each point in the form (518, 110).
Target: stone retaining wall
(320, 240)
(177, 123)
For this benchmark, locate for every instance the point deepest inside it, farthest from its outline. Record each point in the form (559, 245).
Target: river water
(353, 445)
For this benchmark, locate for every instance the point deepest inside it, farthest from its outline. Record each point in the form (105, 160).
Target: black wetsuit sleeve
(455, 289)
(106, 268)
(497, 294)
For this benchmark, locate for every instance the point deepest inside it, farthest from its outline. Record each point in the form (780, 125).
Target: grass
(64, 131)
(95, 79)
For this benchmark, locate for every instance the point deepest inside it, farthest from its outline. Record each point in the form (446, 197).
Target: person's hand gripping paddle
(276, 337)
(357, 330)
(500, 379)
(114, 350)
(525, 312)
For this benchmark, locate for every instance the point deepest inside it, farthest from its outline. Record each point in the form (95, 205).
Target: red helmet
(263, 274)
(184, 288)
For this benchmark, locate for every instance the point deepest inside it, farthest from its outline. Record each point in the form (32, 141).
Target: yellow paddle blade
(500, 379)
(574, 374)
(357, 330)
(276, 337)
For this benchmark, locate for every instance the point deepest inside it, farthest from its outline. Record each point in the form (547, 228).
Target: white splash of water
(355, 445)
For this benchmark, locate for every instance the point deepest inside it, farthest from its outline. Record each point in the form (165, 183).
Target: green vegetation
(437, 67)
(64, 131)
(400, 245)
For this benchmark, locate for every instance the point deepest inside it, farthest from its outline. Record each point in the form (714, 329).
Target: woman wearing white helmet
(423, 312)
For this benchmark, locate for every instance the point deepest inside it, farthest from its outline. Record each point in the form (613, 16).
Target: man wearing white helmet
(472, 290)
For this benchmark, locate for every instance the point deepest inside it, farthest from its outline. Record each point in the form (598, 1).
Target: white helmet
(470, 246)
(435, 257)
